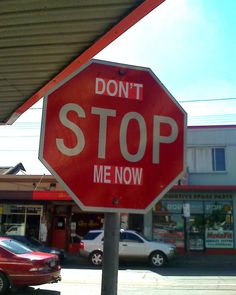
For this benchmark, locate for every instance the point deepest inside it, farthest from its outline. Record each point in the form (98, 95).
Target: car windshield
(14, 247)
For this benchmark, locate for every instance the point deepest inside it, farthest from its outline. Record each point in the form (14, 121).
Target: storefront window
(168, 222)
(196, 207)
(13, 224)
(219, 224)
(210, 224)
(19, 219)
(81, 223)
(171, 206)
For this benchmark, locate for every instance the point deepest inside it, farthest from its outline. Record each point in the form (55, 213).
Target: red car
(20, 266)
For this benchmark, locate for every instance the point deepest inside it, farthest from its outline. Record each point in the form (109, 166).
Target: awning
(42, 42)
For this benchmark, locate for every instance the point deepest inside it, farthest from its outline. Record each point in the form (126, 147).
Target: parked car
(36, 245)
(20, 266)
(132, 246)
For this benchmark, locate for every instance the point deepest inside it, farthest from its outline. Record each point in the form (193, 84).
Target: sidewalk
(195, 274)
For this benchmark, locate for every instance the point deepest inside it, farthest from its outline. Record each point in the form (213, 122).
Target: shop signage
(114, 137)
(199, 195)
(219, 238)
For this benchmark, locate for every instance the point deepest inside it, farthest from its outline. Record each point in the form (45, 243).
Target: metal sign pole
(110, 254)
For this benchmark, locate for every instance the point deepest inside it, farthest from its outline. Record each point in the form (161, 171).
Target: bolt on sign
(114, 137)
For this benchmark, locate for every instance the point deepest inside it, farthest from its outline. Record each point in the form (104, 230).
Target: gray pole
(110, 254)
(187, 235)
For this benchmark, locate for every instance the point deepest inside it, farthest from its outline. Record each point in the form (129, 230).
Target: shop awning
(44, 41)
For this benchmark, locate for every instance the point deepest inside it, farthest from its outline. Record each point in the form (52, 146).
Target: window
(15, 247)
(218, 159)
(211, 224)
(219, 224)
(169, 227)
(91, 235)
(129, 237)
(196, 207)
(206, 159)
(60, 222)
(171, 206)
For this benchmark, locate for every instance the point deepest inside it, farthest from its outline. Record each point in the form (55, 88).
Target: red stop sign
(114, 137)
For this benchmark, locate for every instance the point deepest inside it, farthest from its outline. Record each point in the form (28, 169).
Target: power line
(19, 136)
(180, 101)
(213, 119)
(19, 150)
(207, 100)
(203, 119)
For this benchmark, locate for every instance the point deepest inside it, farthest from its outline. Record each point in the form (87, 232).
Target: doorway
(59, 235)
(196, 232)
(32, 226)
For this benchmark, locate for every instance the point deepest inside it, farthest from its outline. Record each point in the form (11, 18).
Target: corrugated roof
(41, 38)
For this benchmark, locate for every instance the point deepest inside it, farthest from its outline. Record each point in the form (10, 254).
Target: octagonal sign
(114, 137)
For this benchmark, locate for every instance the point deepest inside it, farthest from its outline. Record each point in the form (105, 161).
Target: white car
(132, 246)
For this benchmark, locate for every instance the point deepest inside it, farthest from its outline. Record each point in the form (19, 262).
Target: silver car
(132, 246)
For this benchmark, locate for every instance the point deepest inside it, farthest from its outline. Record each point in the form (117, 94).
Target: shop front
(67, 224)
(20, 219)
(53, 217)
(49, 216)
(209, 227)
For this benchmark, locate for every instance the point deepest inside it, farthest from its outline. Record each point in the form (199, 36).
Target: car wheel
(4, 284)
(157, 259)
(96, 258)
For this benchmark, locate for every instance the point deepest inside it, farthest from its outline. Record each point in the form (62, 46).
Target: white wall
(214, 137)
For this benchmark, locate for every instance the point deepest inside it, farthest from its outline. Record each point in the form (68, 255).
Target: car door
(131, 245)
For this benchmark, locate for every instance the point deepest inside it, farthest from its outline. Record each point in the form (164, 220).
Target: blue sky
(191, 47)
(189, 44)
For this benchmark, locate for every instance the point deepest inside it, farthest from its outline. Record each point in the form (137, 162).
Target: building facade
(208, 191)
